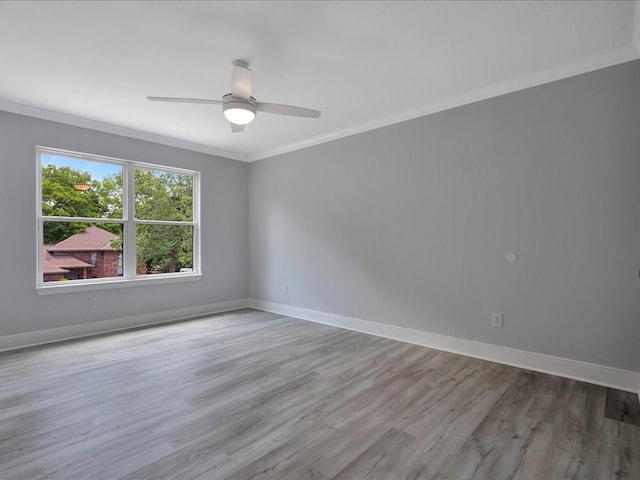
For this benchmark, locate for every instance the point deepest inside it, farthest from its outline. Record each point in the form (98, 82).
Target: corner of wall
(563, 367)
(41, 337)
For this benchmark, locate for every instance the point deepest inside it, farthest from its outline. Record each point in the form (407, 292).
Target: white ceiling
(364, 64)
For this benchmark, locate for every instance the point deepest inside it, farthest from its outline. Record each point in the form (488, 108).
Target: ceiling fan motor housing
(239, 110)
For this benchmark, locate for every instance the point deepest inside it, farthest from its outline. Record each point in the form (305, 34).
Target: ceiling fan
(239, 107)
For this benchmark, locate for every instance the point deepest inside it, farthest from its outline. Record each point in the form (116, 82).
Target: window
(104, 221)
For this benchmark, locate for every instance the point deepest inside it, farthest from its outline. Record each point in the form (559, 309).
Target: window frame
(129, 223)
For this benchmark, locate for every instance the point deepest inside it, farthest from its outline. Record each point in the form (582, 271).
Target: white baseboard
(587, 372)
(29, 339)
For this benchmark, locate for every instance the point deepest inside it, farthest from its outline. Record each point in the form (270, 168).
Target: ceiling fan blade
(185, 100)
(241, 80)
(235, 128)
(287, 110)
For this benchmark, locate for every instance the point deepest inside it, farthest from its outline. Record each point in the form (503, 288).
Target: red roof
(67, 261)
(59, 263)
(48, 268)
(92, 239)
(47, 265)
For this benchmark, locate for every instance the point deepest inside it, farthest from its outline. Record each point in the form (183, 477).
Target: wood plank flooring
(623, 407)
(253, 395)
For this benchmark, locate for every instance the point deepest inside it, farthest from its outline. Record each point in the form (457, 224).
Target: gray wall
(410, 224)
(407, 225)
(224, 229)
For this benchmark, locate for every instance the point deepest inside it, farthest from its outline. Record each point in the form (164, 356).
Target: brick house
(84, 255)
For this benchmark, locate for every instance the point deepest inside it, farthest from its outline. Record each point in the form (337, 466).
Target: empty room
(320, 240)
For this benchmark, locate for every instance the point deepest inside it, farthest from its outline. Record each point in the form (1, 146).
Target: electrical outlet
(496, 320)
(92, 302)
(285, 289)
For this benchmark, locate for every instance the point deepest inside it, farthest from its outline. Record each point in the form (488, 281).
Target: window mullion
(39, 226)
(195, 206)
(82, 219)
(129, 243)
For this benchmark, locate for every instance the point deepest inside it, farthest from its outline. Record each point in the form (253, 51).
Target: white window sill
(104, 284)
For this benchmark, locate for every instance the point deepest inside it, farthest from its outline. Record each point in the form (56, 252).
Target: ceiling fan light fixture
(239, 110)
(239, 107)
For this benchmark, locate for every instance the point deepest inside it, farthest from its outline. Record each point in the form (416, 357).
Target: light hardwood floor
(253, 395)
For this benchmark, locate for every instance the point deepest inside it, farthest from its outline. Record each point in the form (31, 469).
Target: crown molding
(116, 130)
(624, 54)
(621, 55)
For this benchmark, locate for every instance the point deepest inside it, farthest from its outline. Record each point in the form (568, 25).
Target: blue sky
(98, 170)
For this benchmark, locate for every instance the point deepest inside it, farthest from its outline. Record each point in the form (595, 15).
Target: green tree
(61, 197)
(109, 192)
(159, 195)
(164, 196)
